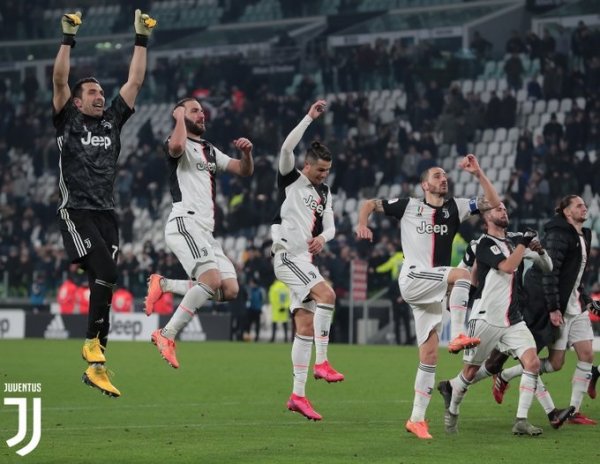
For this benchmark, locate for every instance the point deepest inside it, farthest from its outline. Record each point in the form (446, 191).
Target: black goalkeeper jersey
(89, 149)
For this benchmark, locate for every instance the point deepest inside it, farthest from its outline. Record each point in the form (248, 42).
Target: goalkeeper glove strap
(141, 40)
(69, 39)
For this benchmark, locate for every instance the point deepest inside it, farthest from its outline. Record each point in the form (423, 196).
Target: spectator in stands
(508, 110)
(193, 163)
(254, 305)
(513, 67)
(481, 46)
(87, 132)
(515, 44)
(534, 90)
(553, 130)
(279, 299)
(493, 111)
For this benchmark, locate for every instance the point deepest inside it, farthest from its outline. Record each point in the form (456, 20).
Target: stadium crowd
(368, 150)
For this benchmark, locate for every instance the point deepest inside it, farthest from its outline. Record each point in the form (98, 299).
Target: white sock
(527, 389)
(512, 372)
(301, 354)
(481, 374)
(460, 385)
(178, 287)
(459, 298)
(580, 382)
(191, 302)
(424, 383)
(322, 325)
(543, 396)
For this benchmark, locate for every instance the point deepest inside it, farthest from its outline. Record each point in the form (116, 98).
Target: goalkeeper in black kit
(88, 139)
(556, 310)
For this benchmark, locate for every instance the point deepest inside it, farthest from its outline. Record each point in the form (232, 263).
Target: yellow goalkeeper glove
(70, 23)
(143, 23)
(143, 27)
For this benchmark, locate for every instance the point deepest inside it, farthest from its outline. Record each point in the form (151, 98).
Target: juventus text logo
(21, 403)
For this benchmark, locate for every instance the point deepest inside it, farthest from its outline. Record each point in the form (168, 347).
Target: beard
(502, 223)
(193, 128)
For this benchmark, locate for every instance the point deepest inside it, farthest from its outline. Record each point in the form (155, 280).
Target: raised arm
(490, 197)
(61, 92)
(368, 206)
(178, 136)
(137, 69)
(245, 165)
(286, 156)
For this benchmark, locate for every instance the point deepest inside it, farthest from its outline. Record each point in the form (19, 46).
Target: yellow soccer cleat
(96, 375)
(92, 351)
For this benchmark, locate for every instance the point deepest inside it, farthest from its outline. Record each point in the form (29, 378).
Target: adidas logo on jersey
(56, 328)
(193, 331)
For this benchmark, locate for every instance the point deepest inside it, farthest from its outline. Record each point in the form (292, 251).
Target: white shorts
(300, 275)
(514, 339)
(422, 286)
(576, 328)
(196, 248)
(428, 317)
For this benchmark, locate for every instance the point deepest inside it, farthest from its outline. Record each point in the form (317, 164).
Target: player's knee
(532, 365)
(108, 274)
(211, 279)
(324, 294)
(230, 292)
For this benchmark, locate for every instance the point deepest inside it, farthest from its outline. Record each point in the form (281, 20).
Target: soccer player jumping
(427, 228)
(88, 139)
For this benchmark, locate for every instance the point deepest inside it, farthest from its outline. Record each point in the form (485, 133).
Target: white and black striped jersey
(303, 207)
(427, 231)
(305, 210)
(192, 178)
(498, 296)
(89, 148)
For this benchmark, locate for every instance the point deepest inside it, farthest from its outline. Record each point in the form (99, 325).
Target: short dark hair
(183, 101)
(78, 87)
(425, 173)
(318, 151)
(564, 202)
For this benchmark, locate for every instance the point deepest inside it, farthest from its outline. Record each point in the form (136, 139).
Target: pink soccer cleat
(326, 372)
(166, 348)
(302, 405)
(154, 293)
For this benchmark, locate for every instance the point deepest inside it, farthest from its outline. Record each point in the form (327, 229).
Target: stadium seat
(539, 107)
(527, 107)
(566, 104)
(553, 105)
(500, 134)
(485, 162)
(467, 86)
(488, 135)
(513, 134)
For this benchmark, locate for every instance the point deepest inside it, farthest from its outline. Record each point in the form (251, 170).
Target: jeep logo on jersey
(314, 205)
(206, 166)
(424, 228)
(96, 141)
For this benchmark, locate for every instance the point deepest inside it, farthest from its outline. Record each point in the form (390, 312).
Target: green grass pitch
(226, 404)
